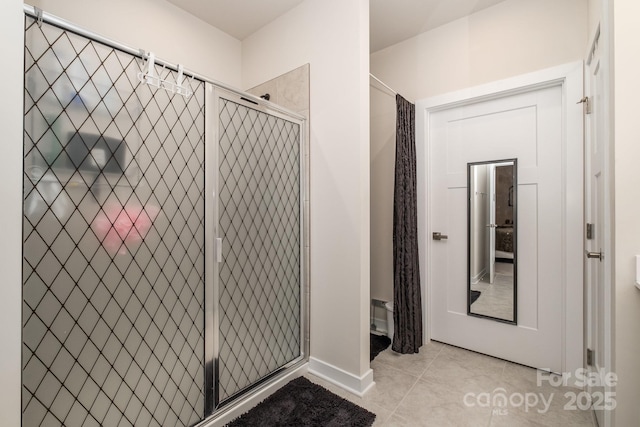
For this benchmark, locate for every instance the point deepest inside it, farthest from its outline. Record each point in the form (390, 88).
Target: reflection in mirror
(491, 244)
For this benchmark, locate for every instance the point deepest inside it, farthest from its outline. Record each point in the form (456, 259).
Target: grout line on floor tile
(405, 396)
(398, 416)
(431, 363)
(393, 412)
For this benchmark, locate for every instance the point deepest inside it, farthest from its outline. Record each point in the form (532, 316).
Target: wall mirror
(491, 239)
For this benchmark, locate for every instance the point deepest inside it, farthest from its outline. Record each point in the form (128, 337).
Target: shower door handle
(218, 249)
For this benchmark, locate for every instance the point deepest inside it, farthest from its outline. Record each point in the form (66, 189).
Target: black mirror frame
(513, 198)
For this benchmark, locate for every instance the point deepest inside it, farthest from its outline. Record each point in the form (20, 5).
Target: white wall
(595, 16)
(512, 38)
(626, 46)
(160, 27)
(11, 115)
(333, 37)
(383, 155)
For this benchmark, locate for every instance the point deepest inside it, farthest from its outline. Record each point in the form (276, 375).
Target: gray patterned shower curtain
(407, 300)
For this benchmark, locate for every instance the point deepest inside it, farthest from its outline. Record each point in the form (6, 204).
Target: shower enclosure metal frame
(215, 90)
(213, 93)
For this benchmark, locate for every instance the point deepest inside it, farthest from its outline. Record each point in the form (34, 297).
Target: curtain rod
(383, 83)
(42, 16)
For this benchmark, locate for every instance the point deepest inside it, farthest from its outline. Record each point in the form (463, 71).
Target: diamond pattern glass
(113, 266)
(259, 222)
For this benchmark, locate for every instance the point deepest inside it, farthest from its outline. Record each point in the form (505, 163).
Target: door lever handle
(439, 236)
(597, 255)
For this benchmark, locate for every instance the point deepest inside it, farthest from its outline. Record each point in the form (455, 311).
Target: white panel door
(526, 126)
(594, 214)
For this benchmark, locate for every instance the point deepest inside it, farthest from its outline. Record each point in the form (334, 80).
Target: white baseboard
(234, 412)
(475, 279)
(343, 379)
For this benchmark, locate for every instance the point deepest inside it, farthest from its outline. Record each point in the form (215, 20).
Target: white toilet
(389, 307)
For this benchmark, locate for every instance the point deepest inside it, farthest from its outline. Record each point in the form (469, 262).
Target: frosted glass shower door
(259, 224)
(113, 229)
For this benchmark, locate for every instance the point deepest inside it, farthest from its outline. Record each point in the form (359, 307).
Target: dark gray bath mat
(378, 343)
(474, 296)
(303, 403)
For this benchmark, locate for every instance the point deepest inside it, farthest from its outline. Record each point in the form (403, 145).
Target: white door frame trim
(601, 37)
(570, 78)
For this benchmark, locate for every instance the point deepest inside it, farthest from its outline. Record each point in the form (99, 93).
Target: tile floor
(496, 299)
(429, 388)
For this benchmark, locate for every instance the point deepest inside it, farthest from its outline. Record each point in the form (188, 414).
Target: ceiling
(238, 18)
(391, 21)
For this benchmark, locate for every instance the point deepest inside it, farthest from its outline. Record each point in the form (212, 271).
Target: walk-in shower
(163, 275)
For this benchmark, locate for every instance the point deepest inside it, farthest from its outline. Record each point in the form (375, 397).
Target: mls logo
(500, 411)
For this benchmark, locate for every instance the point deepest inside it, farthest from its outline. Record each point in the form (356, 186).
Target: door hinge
(590, 231)
(586, 101)
(590, 356)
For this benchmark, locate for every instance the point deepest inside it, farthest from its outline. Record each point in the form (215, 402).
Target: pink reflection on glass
(120, 228)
